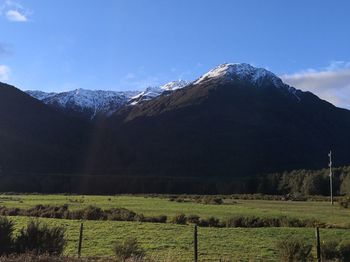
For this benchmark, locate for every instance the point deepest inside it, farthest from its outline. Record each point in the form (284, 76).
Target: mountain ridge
(226, 127)
(36, 138)
(224, 124)
(91, 104)
(240, 74)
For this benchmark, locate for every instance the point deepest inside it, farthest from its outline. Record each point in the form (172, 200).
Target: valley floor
(167, 240)
(154, 206)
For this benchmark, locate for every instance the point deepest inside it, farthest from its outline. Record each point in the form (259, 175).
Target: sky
(60, 45)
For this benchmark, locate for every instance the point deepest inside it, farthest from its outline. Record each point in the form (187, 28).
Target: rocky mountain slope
(85, 103)
(91, 104)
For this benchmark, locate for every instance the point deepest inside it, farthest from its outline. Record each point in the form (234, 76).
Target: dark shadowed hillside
(36, 138)
(235, 121)
(238, 121)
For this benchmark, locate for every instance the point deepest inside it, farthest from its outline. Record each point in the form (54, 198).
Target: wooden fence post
(318, 245)
(80, 239)
(195, 244)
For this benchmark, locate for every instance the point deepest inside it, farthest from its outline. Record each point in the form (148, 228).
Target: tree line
(292, 183)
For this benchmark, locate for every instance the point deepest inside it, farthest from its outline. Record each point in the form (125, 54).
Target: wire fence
(195, 247)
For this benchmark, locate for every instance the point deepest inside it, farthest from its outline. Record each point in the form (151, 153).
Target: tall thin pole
(80, 239)
(195, 244)
(330, 176)
(318, 246)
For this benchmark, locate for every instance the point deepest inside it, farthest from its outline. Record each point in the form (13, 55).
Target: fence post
(195, 244)
(318, 245)
(80, 239)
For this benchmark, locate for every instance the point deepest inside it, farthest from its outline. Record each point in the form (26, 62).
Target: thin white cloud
(4, 73)
(16, 16)
(14, 11)
(331, 83)
(336, 65)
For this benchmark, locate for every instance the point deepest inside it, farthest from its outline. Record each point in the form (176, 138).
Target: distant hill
(36, 138)
(234, 121)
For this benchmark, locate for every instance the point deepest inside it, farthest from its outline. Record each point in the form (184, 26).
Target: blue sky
(60, 45)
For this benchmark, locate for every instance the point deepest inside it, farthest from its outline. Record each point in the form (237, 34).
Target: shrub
(212, 200)
(172, 198)
(234, 222)
(123, 214)
(329, 250)
(273, 222)
(292, 222)
(283, 221)
(77, 214)
(6, 232)
(344, 251)
(4, 211)
(242, 221)
(180, 219)
(93, 213)
(40, 239)
(213, 222)
(194, 219)
(88, 213)
(294, 249)
(345, 202)
(203, 223)
(180, 200)
(217, 201)
(46, 211)
(128, 249)
(155, 219)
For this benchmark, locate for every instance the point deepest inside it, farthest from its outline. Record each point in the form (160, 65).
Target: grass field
(176, 241)
(151, 206)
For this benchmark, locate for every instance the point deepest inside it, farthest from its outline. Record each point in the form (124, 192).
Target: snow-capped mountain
(93, 103)
(244, 72)
(86, 103)
(234, 121)
(174, 85)
(40, 95)
(152, 92)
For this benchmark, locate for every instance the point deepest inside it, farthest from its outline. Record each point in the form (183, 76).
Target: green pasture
(168, 242)
(152, 206)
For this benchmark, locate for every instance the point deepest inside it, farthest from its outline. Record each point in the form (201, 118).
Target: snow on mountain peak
(86, 102)
(94, 102)
(241, 71)
(175, 85)
(40, 95)
(154, 91)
